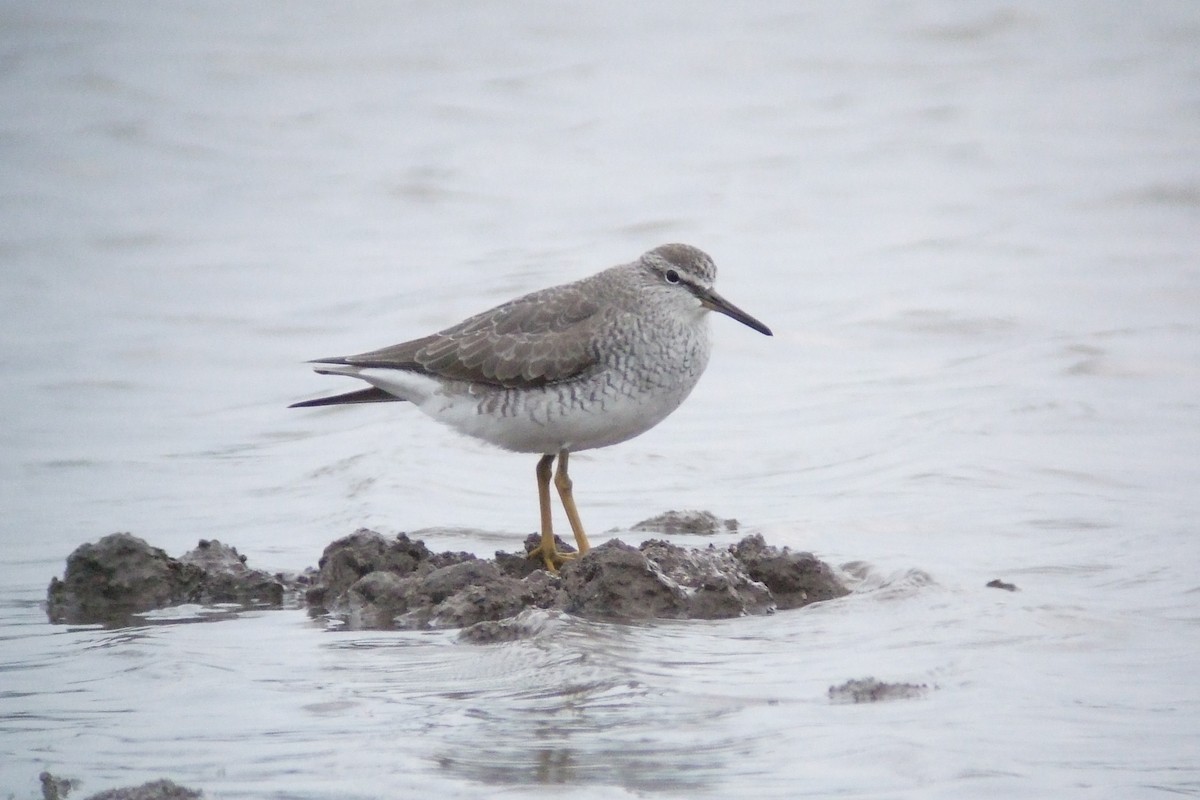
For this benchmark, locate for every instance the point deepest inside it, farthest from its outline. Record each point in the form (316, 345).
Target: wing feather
(535, 340)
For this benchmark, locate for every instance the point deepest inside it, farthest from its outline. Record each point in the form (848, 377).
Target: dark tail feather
(372, 395)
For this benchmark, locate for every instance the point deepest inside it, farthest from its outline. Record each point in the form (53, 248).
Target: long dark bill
(714, 302)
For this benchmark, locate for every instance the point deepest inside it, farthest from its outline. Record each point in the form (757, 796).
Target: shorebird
(573, 367)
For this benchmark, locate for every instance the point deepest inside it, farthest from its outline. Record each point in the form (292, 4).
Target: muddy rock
(701, 523)
(348, 559)
(369, 581)
(56, 788)
(351, 558)
(155, 790)
(520, 565)
(795, 579)
(118, 575)
(453, 596)
(227, 579)
(372, 602)
(464, 600)
(121, 575)
(662, 580)
(614, 581)
(617, 581)
(717, 584)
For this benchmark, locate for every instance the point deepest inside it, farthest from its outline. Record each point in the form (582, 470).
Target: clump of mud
(370, 581)
(122, 575)
(56, 788)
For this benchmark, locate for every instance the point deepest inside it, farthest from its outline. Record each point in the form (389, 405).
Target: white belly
(576, 416)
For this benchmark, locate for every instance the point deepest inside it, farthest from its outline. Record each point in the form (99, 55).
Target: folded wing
(535, 340)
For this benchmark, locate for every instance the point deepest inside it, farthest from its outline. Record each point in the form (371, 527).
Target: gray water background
(974, 228)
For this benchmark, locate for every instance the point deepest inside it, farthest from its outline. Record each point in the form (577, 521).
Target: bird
(573, 367)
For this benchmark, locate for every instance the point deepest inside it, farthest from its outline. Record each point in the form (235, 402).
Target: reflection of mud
(870, 690)
(366, 580)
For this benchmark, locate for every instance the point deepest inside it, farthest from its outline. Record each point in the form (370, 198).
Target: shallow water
(973, 228)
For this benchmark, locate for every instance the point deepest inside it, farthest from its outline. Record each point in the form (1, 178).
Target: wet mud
(121, 575)
(368, 581)
(56, 788)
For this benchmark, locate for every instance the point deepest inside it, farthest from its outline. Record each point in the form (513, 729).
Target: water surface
(973, 229)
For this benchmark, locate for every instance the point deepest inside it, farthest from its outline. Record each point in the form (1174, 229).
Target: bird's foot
(551, 556)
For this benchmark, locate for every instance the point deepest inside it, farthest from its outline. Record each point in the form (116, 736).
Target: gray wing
(541, 338)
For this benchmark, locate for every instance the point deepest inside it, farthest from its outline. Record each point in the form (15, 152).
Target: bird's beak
(714, 302)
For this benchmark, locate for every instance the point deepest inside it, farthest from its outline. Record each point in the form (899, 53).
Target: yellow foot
(552, 557)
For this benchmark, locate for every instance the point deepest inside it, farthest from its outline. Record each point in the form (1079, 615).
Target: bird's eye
(672, 276)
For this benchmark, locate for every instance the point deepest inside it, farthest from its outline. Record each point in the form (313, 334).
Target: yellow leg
(562, 481)
(545, 549)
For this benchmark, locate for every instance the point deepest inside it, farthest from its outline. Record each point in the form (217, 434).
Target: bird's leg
(546, 549)
(562, 481)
